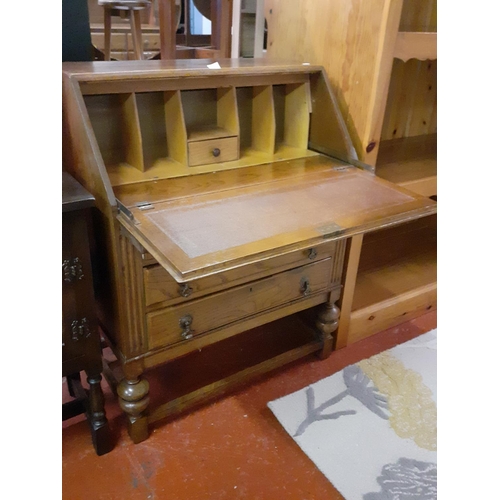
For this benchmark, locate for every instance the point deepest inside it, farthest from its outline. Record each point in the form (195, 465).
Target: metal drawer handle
(185, 290)
(216, 152)
(185, 323)
(72, 269)
(312, 254)
(305, 287)
(80, 329)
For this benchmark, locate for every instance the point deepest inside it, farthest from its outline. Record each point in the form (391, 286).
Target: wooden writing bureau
(227, 199)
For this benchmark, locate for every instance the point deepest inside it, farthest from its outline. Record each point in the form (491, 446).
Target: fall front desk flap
(199, 235)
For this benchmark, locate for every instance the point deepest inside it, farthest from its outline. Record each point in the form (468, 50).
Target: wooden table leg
(221, 26)
(168, 25)
(107, 34)
(135, 24)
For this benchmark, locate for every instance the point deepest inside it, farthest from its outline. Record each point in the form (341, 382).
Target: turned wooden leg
(327, 323)
(134, 400)
(96, 415)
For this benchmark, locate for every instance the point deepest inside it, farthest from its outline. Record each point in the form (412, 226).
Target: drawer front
(161, 288)
(212, 151)
(176, 324)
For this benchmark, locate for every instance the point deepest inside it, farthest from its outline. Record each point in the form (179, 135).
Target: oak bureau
(226, 200)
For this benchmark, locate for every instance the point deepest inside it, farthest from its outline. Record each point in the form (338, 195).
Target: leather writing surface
(197, 235)
(204, 227)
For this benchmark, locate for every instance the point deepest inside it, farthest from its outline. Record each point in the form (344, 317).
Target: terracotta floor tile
(229, 449)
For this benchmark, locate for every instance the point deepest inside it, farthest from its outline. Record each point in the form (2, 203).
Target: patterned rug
(371, 428)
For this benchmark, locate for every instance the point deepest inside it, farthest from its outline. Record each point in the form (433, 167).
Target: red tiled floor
(231, 448)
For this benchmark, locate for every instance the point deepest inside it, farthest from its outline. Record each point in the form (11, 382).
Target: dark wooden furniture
(81, 347)
(227, 199)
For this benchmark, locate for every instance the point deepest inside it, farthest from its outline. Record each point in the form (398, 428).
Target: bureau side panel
(82, 159)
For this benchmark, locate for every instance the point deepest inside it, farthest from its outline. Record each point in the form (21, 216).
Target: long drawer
(161, 289)
(181, 323)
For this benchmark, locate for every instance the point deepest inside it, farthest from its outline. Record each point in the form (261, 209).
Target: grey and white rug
(371, 428)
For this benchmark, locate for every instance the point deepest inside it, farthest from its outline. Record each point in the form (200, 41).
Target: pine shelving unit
(397, 273)
(381, 59)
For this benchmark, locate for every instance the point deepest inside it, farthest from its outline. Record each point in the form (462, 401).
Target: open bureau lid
(198, 235)
(228, 166)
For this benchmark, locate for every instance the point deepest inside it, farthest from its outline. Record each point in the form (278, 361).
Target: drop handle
(185, 290)
(305, 287)
(185, 323)
(216, 152)
(312, 254)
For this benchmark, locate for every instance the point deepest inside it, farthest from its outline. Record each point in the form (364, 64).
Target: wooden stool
(125, 8)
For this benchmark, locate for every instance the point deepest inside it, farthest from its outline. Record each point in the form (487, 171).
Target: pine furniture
(381, 61)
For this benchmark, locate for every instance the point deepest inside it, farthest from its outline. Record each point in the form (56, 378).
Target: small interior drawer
(180, 323)
(212, 151)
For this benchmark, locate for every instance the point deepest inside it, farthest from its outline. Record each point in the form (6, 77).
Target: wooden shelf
(154, 135)
(410, 162)
(121, 174)
(397, 277)
(416, 45)
(228, 364)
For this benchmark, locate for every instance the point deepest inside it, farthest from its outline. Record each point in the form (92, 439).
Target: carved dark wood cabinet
(81, 347)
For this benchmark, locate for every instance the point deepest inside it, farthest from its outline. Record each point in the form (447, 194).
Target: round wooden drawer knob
(216, 152)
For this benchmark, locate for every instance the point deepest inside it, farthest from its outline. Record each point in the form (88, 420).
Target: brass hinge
(142, 205)
(124, 210)
(343, 168)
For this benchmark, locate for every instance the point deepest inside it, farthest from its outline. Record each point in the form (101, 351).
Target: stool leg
(135, 24)
(107, 34)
